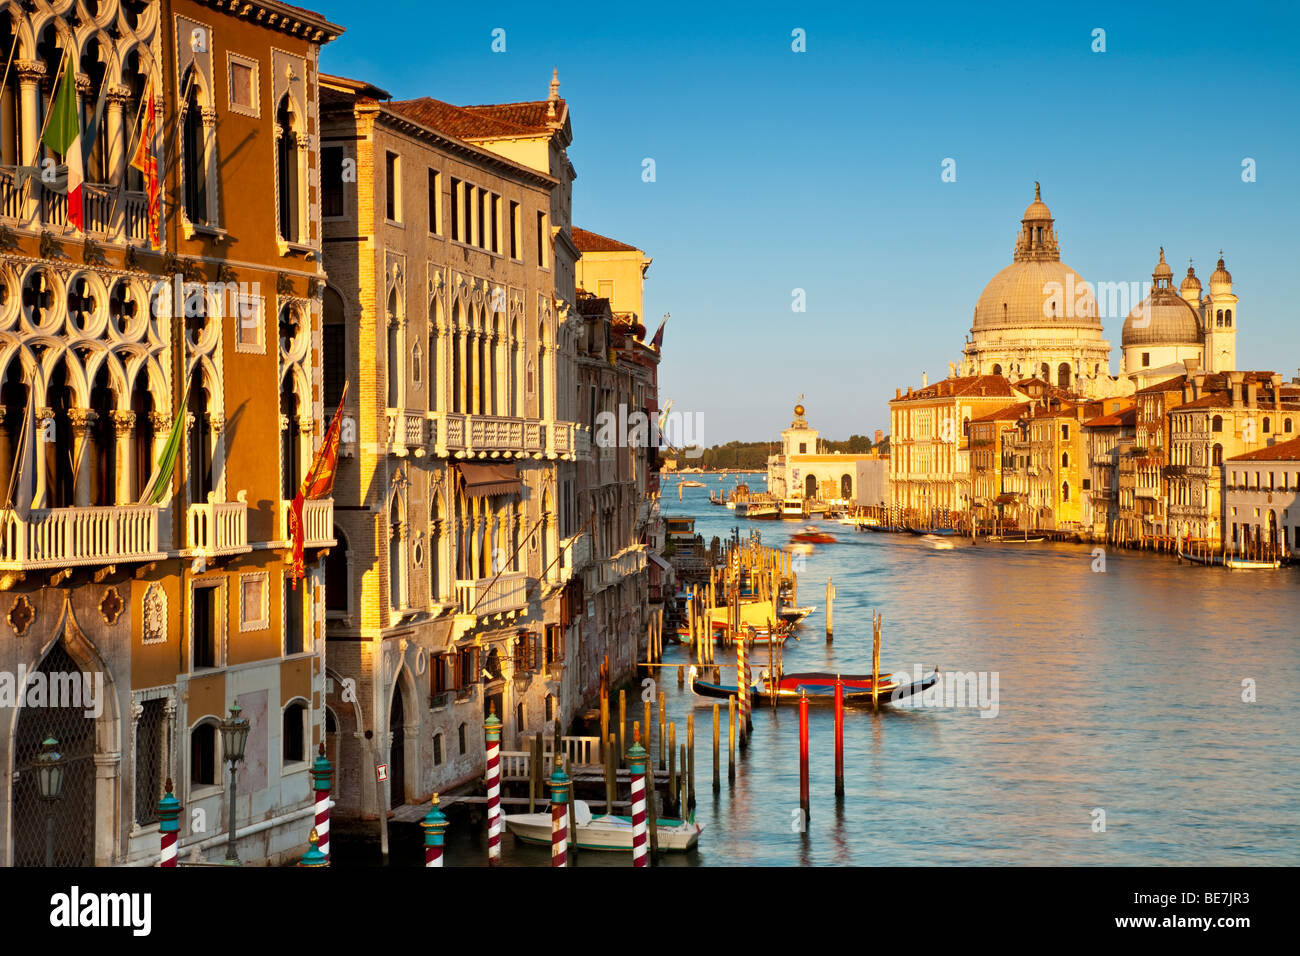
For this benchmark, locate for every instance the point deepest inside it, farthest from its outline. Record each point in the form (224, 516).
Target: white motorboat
(796, 614)
(609, 832)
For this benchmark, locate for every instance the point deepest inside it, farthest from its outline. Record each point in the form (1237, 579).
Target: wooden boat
(609, 832)
(1232, 562)
(812, 535)
(692, 484)
(796, 614)
(945, 532)
(1003, 539)
(820, 686)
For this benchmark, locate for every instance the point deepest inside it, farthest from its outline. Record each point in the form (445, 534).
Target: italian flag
(63, 135)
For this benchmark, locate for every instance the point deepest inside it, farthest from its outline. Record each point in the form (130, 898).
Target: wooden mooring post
(717, 775)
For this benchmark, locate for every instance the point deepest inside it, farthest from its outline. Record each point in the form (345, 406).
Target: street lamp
(49, 783)
(234, 734)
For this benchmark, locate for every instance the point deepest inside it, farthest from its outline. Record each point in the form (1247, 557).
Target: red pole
(839, 736)
(804, 801)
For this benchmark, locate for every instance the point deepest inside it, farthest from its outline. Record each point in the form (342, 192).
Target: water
(1119, 691)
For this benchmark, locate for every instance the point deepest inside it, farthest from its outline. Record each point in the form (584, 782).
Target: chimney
(924, 380)
(1079, 411)
(1236, 378)
(898, 393)
(1192, 363)
(1198, 384)
(1276, 381)
(1252, 394)
(1187, 389)
(909, 391)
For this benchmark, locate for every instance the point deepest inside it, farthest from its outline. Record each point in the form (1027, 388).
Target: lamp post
(234, 734)
(49, 782)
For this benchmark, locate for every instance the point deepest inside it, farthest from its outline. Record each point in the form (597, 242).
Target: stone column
(44, 426)
(124, 438)
(116, 160)
(82, 421)
(30, 74)
(209, 120)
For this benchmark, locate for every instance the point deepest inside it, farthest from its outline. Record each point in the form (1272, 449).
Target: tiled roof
(478, 122)
(1212, 400)
(340, 89)
(587, 241)
(972, 386)
(1125, 416)
(1004, 414)
(1283, 451)
(1174, 384)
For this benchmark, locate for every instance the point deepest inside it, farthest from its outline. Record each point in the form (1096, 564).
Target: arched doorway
(74, 812)
(397, 750)
(810, 486)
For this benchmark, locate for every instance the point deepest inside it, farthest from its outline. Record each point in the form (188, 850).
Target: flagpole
(49, 111)
(134, 144)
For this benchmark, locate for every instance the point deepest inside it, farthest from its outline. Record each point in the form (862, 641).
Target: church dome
(1220, 278)
(1191, 282)
(1163, 317)
(1037, 290)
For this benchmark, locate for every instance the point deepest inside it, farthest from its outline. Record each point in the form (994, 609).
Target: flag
(658, 340)
(319, 483)
(145, 161)
(160, 483)
(63, 135)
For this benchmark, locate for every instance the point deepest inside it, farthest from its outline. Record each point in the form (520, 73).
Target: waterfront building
(988, 435)
(1044, 466)
(450, 309)
(929, 452)
(115, 328)
(1039, 318)
(1261, 497)
(803, 469)
(1221, 417)
(618, 487)
(1106, 438)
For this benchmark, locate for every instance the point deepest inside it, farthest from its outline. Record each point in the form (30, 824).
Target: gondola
(820, 686)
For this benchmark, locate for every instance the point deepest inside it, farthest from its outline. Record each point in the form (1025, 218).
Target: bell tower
(1220, 319)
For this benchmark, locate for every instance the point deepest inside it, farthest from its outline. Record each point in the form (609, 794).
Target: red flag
(319, 483)
(145, 161)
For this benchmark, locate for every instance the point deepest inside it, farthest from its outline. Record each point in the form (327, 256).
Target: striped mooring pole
(169, 812)
(322, 770)
(636, 760)
(742, 687)
(495, 821)
(559, 815)
(434, 826)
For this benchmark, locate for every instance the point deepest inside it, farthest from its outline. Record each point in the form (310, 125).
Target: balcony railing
(575, 554)
(64, 537)
(616, 567)
(484, 596)
(218, 527)
(405, 432)
(110, 214)
(317, 522)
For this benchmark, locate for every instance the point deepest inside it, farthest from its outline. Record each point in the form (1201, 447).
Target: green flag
(63, 135)
(160, 483)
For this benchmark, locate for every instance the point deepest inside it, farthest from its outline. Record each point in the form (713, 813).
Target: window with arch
(1065, 459)
(1216, 455)
(1227, 319)
(395, 363)
(293, 733)
(1216, 423)
(203, 754)
(1268, 424)
(196, 151)
(290, 170)
(1218, 319)
(437, 750)
(1065, 491)
(997, 369)
(397, 598)
(1063, 375)
(460, 733)
(1286, 426)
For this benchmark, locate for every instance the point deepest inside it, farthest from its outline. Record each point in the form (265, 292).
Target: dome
(1036, 294)
(1037, 209)
(1162, 270)
(1220, 278)
(1170, 321)
(1191, 282)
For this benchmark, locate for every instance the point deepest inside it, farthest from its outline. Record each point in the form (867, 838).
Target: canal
(1119, 701)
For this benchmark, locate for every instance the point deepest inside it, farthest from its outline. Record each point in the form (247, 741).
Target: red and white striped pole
(434, 826)
(559, 815)
(636, 761)
(322, 770)
(169, 812)
(495, 821)
(742, 686)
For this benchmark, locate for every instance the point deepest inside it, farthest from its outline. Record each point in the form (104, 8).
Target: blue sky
(820, 170)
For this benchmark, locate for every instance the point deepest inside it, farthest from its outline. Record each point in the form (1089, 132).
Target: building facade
(180, 603)
(1261, 494)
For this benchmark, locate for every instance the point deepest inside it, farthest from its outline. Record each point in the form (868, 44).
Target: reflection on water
(1119, 691)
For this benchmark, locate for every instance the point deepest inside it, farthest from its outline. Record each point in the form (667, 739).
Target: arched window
(810, 487)
(457, 359)
(294, 733)
(395, 363)
(1218, 319)
(93, 64)
(290, 468)
(103, 403)
(1268, 424)
(1216, 457)
(1286, 426)
(203, 754)
(194, 136)
(61, 479)
(396, 559)
(1227, 319)
(997, 369)
(289, 178)
(437, 750)
(1216, 423)
(434, 352)
(11, 104)
(1065, 459)
(1063, 375)
(435, 548)
(1065, 491)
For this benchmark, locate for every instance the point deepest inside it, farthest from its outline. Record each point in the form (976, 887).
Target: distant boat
(796, 614)
(1004, 539)
(692, 484)
(1231, 562)
(813, 535)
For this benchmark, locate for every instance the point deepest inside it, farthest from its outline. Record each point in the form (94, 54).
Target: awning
(657, 559)
(481, 481)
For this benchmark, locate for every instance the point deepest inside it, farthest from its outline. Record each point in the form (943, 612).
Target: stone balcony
(317, 523)
(616, 567)
(406, 432)
(457, 435)
(484, 597)
(107, 218)
(575, 554)
(73, 537)
(218, 527)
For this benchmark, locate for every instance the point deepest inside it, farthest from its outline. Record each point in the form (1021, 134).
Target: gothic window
(149, 760)
(1063, 375)
(290, 178)
(194, 136)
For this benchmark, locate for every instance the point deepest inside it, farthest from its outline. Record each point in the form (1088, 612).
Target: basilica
(1038, 318)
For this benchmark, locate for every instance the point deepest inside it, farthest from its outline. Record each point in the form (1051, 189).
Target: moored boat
(820, 685)
(608, 832)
